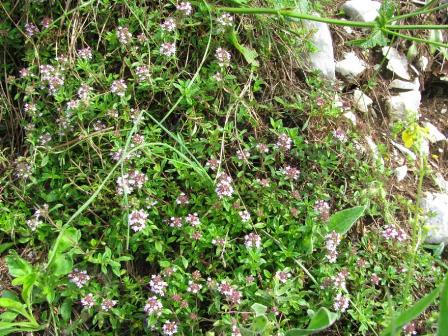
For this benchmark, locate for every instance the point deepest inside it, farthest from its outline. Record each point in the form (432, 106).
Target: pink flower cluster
(52, 77)
(283, 142)
(79, 278)
(291, 173)
(129, 182)
(137, 220)
(158, 285)
(169, 328)
(282, 276)
(332, 241)
(224, 186)
(341, 303)
(252, 240)
(230, 293)
(153, 306)
(392, 233)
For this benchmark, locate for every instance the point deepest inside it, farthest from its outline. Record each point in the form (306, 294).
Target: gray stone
(434, 134)
(351, 66)
(435, 207)
(323, 58)
(397, 62)
(404, 85)
(362, 101)
(403, 106)
(362, 10)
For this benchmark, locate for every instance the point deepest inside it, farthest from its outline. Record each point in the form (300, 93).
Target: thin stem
(416, 39)
(294, 14)
(415, 27)
(420, 12)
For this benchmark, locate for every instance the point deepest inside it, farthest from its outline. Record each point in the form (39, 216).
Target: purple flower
(108, 304)
(79, 278)
(123, 34)
(193, 219)
(223, 57)
(291, 173)
(153, 306)
(137, 220)
(185, 8)
(88, 301)
(283, 142)
(224, 187)
(169, 328)
(282, 276)
(341, 303)
(225, 20)
(31, 29)
(158, 285)
(168, 49)
(168, 25)
(252, 240)
(119, 87)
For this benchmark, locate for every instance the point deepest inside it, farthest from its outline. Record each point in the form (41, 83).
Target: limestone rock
(404, 105)
(434, 134)
(362, 101)
(435, 207)
(397, 62)
(404, 85)
(362, 10)
(323, 58)
(351, 66)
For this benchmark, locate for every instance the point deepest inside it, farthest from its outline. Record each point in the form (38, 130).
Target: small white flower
(245, 216)
(223, 57)
(168, 25)
(185, 8)
(225, 20)
(168, 49)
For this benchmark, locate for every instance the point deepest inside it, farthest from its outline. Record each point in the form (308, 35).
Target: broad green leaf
(67, 239)
(62, 264)
(250, 55)
(66, 309)
(411, 313)
(13, 306)
(443, 310)
(343, 220)
(319, 322)
(259, 309)
(18, 266)
(259, 323)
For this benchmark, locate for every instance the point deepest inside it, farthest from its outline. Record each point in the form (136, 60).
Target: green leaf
(343, 220)
(18, 266)
(67, 239)
(259, 323)
(320, 321)
(66, 309)
(62, 264)
(249, 55)
(259, 309)
(13, 306)
(411, 313)
(443, 311)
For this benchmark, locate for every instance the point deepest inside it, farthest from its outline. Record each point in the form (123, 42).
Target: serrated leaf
(343, 220)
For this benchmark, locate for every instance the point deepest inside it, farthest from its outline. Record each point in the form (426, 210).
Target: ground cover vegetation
(169, 168)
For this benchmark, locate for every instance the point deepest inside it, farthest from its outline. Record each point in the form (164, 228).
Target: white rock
(404, 85)
(441, 182)
(435, 207)
(323, 58)
(362, 101)
(404, 105)
(401, 172)
(423, 63)
(397, 62)
(350, 116)
(351, 66)
(434, 134)
(362, 10)
(374, 149)
(405, 150)
(424, 147)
